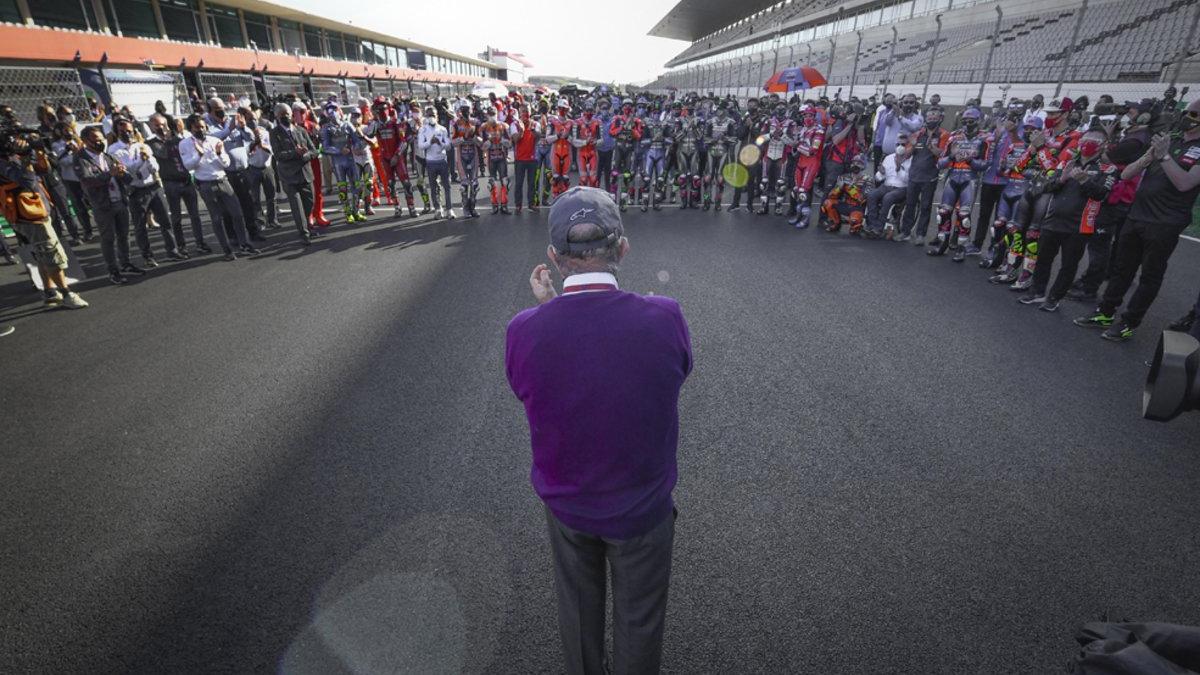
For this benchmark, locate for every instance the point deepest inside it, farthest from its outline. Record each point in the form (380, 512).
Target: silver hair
(604, 258)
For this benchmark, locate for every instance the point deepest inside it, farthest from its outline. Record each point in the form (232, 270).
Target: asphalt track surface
(311, 461)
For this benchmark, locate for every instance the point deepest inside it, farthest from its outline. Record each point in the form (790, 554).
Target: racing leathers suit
(584, 135)
(778, 131)
(688, 135)
(464, 139)
(966, 158)
(720, 139)
(496, 144)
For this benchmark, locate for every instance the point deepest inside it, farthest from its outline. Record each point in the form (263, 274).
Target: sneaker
(972, 249)
(1003, 277)
(203, 248)
(1184, 323)
(735, 208)
(53, 298)
(1118, 332)
(8, 259)
(1094, 320)
(76, 242)
(230, 255)
(1032, 298)
(1049, 306)
(73, 301)
(274, 226)
(960, 254)
(149, 262)
(1081, 295)
(130, 268)
(918, 240)
(449, 213)
(902, 237)
(116, 278)
(175, 256)
(250, 250)
(1022, 283)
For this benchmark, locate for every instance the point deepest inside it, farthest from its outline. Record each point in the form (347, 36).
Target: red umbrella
(790, 79)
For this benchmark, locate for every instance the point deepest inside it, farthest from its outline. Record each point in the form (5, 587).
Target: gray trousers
(145, 200)
(300, 201)
(113, 223)
(220, 199)
(262, 182)
(179, 195)
(641, 574)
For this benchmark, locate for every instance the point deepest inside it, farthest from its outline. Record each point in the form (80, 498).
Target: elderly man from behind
(599, 371)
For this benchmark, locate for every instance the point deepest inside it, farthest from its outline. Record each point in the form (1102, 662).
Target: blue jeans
(439, 181)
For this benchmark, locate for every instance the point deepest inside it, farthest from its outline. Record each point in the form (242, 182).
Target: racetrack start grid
(311, 461)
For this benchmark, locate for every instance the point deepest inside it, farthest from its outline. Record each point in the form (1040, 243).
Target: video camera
(1173, 385)
(11, 131)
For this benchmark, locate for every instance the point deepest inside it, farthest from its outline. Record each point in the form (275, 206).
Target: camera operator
(46, 164)
(145, 193)
(26, 211)
(104, 182)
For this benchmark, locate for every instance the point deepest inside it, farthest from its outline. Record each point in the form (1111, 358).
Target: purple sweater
(599, 374)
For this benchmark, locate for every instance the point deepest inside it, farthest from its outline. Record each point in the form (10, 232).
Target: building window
(336, 50)
(368, 52)
(64, 14)
(258, 29)
(312, 41)
(181, 20)
(289, 32)
(9, 12)
(393, 56)
(380, 53)
(133, 18)
(226, 26)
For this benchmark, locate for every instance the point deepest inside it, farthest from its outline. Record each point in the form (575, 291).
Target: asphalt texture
(311, 462)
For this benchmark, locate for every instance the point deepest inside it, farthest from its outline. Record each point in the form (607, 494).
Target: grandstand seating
(1118, 41)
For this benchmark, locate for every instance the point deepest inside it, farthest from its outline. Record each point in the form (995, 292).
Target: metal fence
(324, 87)
(226, 85)
(27, 88)
(278, 85)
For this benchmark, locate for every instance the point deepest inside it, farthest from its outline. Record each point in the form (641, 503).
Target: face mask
(971, 126)
(1187, 122)
(1089, 148)
(198, 134)
(125, 137)
(285, 120)
(932, 124)
(97, 146)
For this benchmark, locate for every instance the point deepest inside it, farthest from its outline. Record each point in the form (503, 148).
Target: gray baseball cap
(581, 205)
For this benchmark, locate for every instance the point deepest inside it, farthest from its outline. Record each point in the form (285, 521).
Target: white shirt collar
(589, 278)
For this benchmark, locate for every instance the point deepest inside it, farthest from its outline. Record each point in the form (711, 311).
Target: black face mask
(285, 120)
(198, 134)
(932, 124)
(125, 137)
(1186, 123)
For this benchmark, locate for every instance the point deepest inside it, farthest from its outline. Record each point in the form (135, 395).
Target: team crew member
(105, 185)
(604, 434)
(893, 178)
(434, 144)
(205, 156)
(524, 141)
(177, 181)
(929, 143)
(293, 152)
(1161, 210)
(1077, 191)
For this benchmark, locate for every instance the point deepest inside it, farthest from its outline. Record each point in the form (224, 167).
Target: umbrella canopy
(791, 79)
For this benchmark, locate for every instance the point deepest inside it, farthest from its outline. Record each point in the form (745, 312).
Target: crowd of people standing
(1017, 185)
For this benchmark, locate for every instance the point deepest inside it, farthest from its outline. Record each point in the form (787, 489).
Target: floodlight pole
(854, 73)
(987, 66)
(933, 54)
(887, 78)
